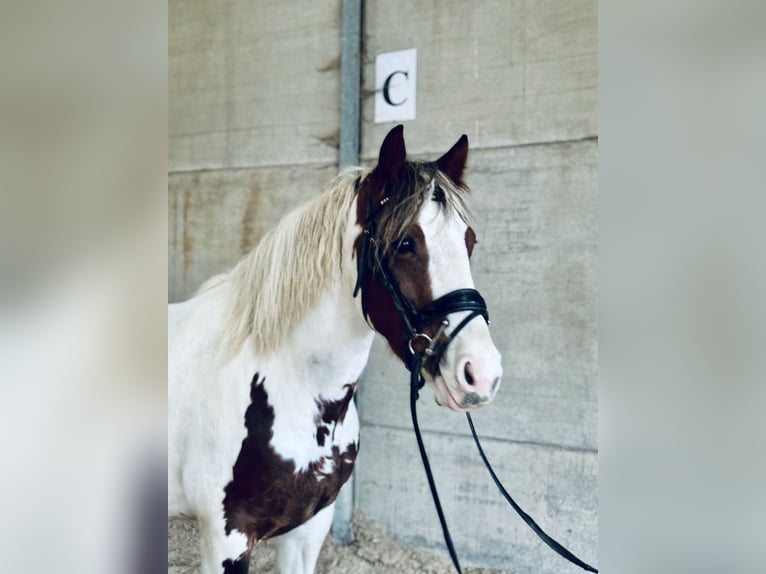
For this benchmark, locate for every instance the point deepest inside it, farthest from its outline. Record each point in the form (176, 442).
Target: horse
(264, 361)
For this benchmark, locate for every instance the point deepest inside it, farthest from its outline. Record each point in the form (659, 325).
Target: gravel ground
(371, 553)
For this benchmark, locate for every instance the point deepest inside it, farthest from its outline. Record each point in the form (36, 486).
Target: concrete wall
(253, 132)
(253, 124)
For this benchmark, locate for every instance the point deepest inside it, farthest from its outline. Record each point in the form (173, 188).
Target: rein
(415, 321)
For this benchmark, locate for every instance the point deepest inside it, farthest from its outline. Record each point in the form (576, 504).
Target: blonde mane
(273, 286)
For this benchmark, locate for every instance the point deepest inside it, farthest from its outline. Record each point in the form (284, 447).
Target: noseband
(421, 345)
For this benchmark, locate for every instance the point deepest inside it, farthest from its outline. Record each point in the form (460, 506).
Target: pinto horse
(264, 360)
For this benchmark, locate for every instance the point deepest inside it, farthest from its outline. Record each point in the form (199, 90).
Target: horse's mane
(272, 287)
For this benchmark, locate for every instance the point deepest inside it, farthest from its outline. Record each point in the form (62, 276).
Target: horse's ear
(393, 155)
(452, 163)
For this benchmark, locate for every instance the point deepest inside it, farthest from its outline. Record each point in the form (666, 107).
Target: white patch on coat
(449, 269)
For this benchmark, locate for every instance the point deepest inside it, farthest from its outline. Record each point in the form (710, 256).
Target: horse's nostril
(468, 373)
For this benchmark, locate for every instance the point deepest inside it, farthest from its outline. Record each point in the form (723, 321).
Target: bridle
(422, 346)
(416, 321)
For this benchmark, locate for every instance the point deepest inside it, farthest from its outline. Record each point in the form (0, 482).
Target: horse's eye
(407, 245)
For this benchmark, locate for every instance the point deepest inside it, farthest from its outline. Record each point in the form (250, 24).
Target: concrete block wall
(253, 124)
(254, 91)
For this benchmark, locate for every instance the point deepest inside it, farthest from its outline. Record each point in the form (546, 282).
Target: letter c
(386, 94)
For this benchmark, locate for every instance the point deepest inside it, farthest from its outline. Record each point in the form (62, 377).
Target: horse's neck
(329, 347)
(323, 355)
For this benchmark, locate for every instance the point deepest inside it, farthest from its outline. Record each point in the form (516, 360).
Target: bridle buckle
(426, 338)
(430, 350)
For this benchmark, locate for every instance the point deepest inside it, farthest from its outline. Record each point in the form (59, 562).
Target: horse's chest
(267, 495)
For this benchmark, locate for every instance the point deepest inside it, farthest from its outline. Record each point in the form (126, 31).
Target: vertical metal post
(350, 78)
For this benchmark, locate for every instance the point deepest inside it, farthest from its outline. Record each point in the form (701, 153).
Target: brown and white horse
(263, 362)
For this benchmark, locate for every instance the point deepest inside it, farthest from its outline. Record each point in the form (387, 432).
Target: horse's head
(415, 250)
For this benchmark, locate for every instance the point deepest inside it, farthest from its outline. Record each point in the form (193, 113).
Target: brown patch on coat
(238, 566)
(410, 271)
(470, 240)
(266, 496)
(332, 413)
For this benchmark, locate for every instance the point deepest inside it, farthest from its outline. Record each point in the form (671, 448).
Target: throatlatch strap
(554, 545)
(416, 383)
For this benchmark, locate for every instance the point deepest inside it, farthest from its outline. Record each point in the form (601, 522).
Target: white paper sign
(395, 86)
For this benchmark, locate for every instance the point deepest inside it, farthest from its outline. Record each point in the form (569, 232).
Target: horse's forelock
(406, 195)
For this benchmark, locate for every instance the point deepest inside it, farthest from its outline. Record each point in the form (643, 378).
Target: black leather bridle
(422, 346)
(416, 320)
